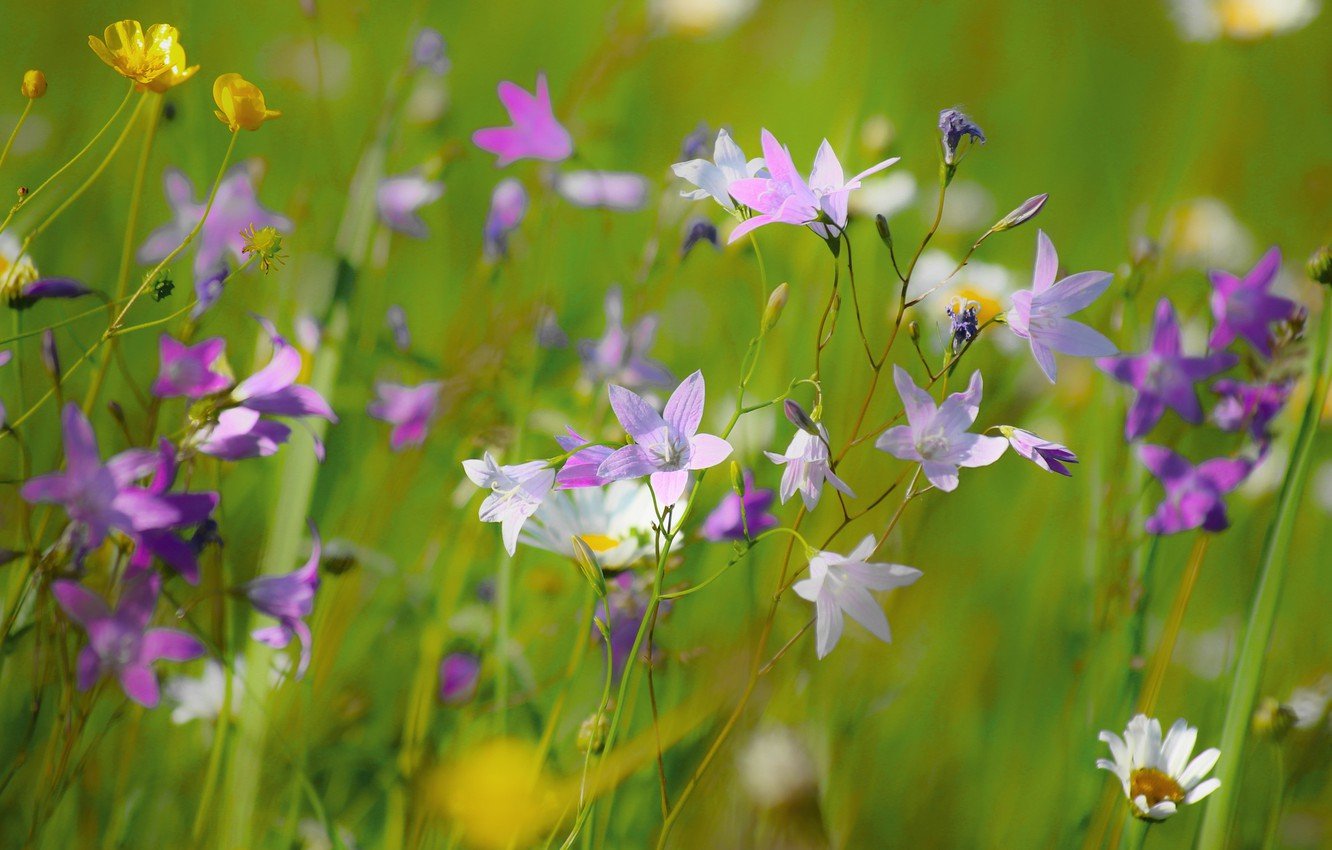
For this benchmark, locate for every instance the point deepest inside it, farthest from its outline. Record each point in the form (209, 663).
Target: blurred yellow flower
(266, 244)
(496, 794)
(34, 84)
(240, 103)
(153, 60)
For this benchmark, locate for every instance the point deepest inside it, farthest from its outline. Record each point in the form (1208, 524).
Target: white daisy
(615, 521)
(1157, 775)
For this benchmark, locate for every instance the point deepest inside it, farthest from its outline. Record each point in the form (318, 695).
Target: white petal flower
(840, 584)
(516, 493)
(807, 468)
(1156, 773)
(615, 521)
(713, 178)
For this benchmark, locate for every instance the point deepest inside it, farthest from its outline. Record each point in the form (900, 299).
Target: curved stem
(18, 125)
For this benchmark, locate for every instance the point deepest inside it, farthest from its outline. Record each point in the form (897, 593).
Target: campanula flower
(182, 555)
(807, 467)
(1249, 405)
(785, 196)
(508, 206)
(1047, 455)
(5, 356)
(396, 319)
(534, 133)
(620, 191)
(1193, 493)
(963, 321)
(1157, 775)
(622, 612)
(1039, 315)
(99, 497)
(516, 493)
(699, 230)
(240, 103)
(728, 522)
(936, 437)
(289, 599)
(120, 644)
(580, 470)
(1162, 376)
(400, 198)
(954, 127)
(666, 445)
(190, 370)
(409, 409)
(714, 178)
(616, 522)
(621, 356)
(1244, 307)
(430, 52)
(841, 584)
(153, 59)
(459, 673)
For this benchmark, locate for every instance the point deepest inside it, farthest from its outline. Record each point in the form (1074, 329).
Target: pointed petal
(669, 486)
(684, 409)
(1047, 264)
(636, 416)
(707, 450)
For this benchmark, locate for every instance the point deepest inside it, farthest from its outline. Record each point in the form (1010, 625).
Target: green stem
(1262, 615)
(23, 116)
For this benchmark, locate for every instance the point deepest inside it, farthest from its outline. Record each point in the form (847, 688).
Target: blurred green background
(977, 727)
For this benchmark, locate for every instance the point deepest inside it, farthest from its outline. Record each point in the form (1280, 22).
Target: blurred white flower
(1203, 233)
(202, 698)
(1244, 20)
(615, 521)
(970, 207)
(886, 196)
(1309, 705)
(775, 768)
(1157, 774)
(698, 17)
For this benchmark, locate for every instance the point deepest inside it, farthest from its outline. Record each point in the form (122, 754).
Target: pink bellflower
(533, 132)
(190, 370)
(289, 599)
(409, 410)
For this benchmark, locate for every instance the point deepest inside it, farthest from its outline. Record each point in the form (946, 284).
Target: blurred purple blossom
(1193, 494)
(289, 599)
(409, 409)
(400, 198)
(620, 356)
(188, 370)
(1244, 307)
(533, 132)
(430, 52)
(620, 191)
(726, 522)
(1249, 405)
(458, 676)
(508, 206)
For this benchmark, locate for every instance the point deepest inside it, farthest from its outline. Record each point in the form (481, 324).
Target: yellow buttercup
(240, 103)
(154, 60)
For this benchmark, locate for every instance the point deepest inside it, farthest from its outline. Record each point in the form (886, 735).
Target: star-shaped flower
(534, 133)
(400, 198)
(516, 493)
(1244, 306)
(409, 409)
(714, 178)
(620, 355)
(1193, 493)
(807, 467)
(840, 584)
(289, 599)
(189, 370)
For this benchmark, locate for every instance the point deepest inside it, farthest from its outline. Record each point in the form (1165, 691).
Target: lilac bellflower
(399, 200)
(430, 52)
(1162, 376)
(534, 132)
(516, 491)
(190, 370)
(508, 206)
(621, 356)
(1049, 456)
(808, 466)
(120, 644)
(163, 543)
(1249, 405)
(1040, 314)
(728, 522)
(1244, 307)
(459, 673)
(409, 409)
(666, 445)
(1193, 493)
(289, 599)
(620, 191)
(841, 584)
(580, 470)
(714, 178)
(936, 437)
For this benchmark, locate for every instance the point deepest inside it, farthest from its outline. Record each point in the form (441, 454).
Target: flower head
(399, 198)
(936, 436)
(580, 470)
(1249, 405)
(616, 522)
(714, 178)
(1244, 307)
(459, 673)
(534, 133)
(289, 599)
(612, 190)
(954, 127)
(1162, 376)
(666, 445)
(728, 522)
(1039, 315)
(508, 206)
(620, 355)
(120, 644)
(808, 466)
(240, 103)
(516, 492)
(1047, 455)
(699, 230)
(964, 321)
(1157, 774)
(1193, 494)
(265, 245)
(33, 85)
(430, 52)
(153, 59)
(190, 370)
(840, 584)
(409, 409)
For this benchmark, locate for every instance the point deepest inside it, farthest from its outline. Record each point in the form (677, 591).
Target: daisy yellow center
(1155, 786)
(15, 276)
(1243, 18)
(599, 542)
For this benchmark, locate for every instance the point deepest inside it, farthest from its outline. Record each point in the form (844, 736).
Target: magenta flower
(808, 466)
(1047, 455)
(101, 497)
(580, 470)
(936, 437)
(785, 196)
(120, 644)
(515, 493)
(188, 370)
(666, 445)
(1193, 493)
(458, 676)
(400, 198)
(534, 133)
(1244, 307)
(612, 190)
(726, 522)
(508, 206)
(1039, 315)
(1163, 377)
(841, 584)
(1249, 405)
(162, 543)
(620, 356)
(289, 599)
(409, 409)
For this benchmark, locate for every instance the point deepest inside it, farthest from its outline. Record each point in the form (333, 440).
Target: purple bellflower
(954, 126)
(808, 466)
(1244, 307)
(1049, 456)
(621, 191)
(1193, 493)
(162, 543)
(936, 437)
(459, 673)
(620, 356)
(580, 470)
(534, 133)
(189, 370)
(399, 200)
(516, 493)
(508, 206)
(728, 522)
(430, 52)
(841, 584)
(1249, 405)
(1162, 376)
(120, 644)
(289, 599)
(409, 409)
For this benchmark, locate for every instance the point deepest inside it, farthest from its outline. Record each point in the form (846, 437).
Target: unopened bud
(34, 84)
(737, 480)
(1271, 719)
(913, 330)
(885, 233)
(799, 418)
(50, 355)
(588, 566)
(776, 304)
(1320, 266)
(592, 733)
(1024, 213)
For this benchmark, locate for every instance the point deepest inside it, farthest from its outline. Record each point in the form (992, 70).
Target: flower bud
(1024, 213)
(592, 733)
(1320, 266)
(776, 303)
(50, 355)
(913, 330)
(797, 416)
(737, 480)
(955, 127)
(588, 566)
(34, 84)
(886, 234)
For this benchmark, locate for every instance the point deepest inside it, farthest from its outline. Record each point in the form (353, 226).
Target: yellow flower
(496, 794)
(266, 244)
(34, 84)
(240, 103)
(143, 57)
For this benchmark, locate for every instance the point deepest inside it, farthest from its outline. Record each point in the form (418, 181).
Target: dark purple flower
(964, 321)
(48, 287)
(119, 642)
(698, 144)
(409, 409)
(458, 676)
(699, 230)
(580, 470)
(288, 598)
(620, 356)
(725, 522)
(162, 543)
(508, 205)
(953, 126)
(187, 370)
(1244, 306)
(1047, 455)
(101, 497)
(1252, 406)
(1193, 493)
(1162, 376)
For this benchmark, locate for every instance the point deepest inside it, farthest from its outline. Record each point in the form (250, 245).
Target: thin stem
(23, 116)
(1165, 649)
